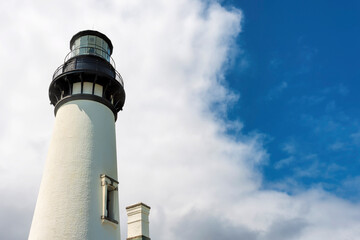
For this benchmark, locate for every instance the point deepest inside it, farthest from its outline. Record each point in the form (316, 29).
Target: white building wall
(82, 147)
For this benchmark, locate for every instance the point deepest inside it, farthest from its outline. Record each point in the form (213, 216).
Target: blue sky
(275, 158)
(299, 88)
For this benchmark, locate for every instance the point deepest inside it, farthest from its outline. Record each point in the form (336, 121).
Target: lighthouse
(78, 196)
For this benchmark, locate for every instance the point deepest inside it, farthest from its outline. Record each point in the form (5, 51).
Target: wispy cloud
(308, 100)
(349, 188)
(305, 58)
(338, 89)
(289, 147)
(355, 137)
(284, 162)
(343, 90)
(311, 171)
(276, 91)
(337, 146)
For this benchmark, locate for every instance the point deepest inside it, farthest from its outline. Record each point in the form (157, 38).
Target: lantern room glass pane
(92, 45)
(84, 41)
(92, 40)
(99, 42)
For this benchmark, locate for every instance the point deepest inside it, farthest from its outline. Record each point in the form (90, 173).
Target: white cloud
(289, 147)
(173, 151)
(337, 146)
(284, 162)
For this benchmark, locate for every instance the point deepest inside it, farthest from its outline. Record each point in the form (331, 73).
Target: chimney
(138, 222)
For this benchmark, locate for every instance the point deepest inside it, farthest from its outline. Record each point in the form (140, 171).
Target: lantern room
(91, 43)
(88, 72)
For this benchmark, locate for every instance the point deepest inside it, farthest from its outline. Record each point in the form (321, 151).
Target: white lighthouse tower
(78, 197)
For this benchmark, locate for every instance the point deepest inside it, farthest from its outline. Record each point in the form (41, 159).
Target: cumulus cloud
(174, 152)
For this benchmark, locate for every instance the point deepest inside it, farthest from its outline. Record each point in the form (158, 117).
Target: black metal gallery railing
(90, 51)
(89, 64)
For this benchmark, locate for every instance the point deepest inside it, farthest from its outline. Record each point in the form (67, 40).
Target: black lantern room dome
(89, 73)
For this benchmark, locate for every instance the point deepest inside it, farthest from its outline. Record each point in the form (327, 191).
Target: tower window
(110, 211)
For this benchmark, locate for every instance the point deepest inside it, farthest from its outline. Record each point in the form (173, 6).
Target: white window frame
(110, 213)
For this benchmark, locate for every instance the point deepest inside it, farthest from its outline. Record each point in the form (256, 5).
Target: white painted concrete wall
(82, 147)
